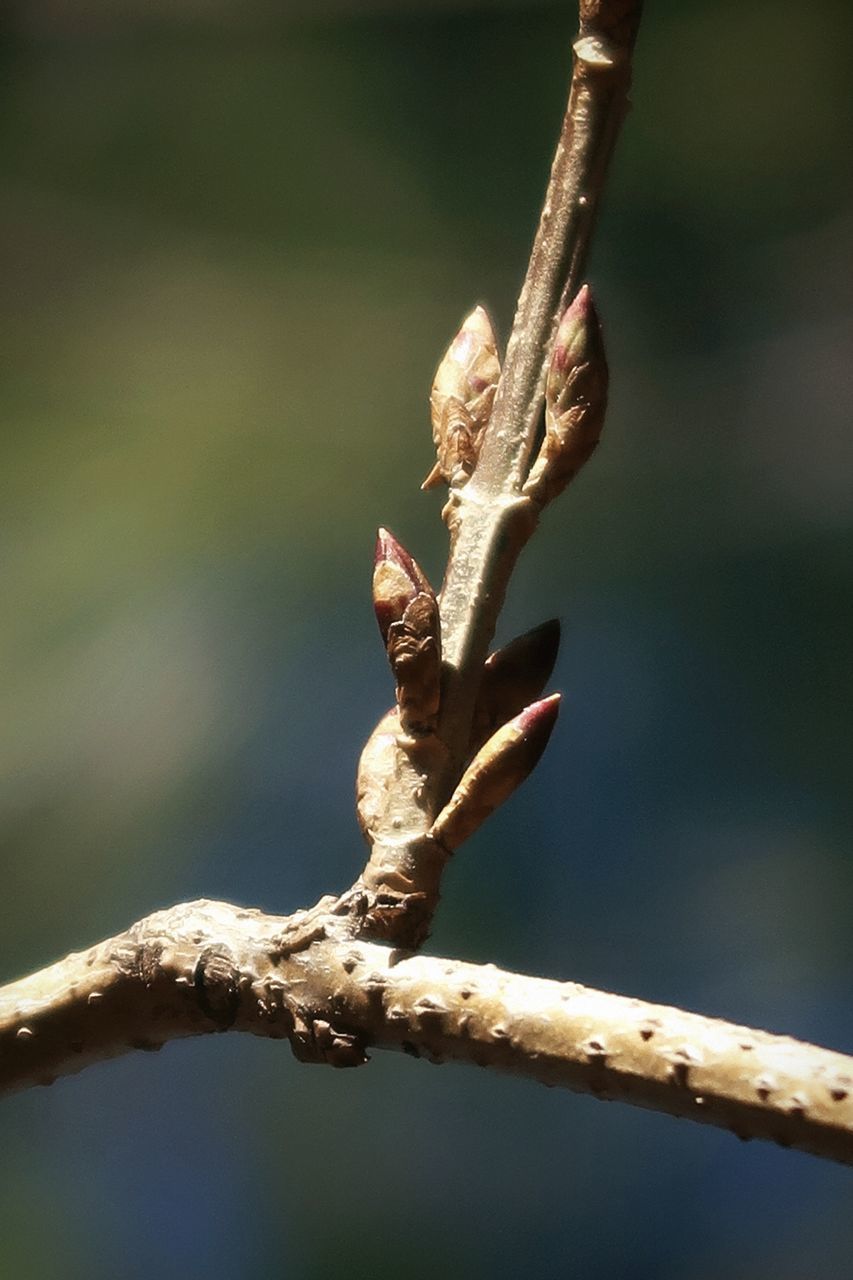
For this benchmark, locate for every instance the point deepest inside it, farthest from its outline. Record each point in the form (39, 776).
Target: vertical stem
(596, 107)
(491, 522)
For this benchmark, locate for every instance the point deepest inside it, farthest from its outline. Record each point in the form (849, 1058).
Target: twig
(208, 966)
(478, 573)
(489, 517)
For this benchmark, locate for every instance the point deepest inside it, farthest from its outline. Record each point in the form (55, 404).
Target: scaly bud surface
(461, 399)
(497, 769)
(397, 580)
(407, 613)
(575, 400)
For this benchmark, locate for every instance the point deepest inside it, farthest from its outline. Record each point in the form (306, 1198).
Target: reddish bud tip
(388, 548)
(577, 335)
(537, 721)
(497, 769)
(397, 580)
(581, 304)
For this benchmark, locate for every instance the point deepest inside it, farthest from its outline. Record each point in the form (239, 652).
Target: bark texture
(208, 966)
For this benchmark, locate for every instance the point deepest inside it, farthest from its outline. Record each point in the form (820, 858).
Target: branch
(208, 966)
(466, 730)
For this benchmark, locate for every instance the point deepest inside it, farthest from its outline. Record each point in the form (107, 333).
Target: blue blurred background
(236, 238)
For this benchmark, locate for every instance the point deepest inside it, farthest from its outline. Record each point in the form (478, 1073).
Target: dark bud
(513, 677)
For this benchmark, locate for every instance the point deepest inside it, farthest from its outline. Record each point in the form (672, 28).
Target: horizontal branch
(209, 966)
(753, 1083)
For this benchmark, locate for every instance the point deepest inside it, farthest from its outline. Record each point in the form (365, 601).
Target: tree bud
(497, 769)
(397, 580)
(461, 400)
(407, 613)
(575, 400)
(512, 677)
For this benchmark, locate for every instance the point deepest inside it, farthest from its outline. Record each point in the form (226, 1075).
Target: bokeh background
(236, 238)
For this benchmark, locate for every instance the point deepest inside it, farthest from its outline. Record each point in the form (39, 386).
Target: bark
(208, 966)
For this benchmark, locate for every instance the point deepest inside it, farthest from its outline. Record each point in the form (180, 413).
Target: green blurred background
(236, 237)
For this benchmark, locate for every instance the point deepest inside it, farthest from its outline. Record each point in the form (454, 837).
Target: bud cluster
(511, 722)
(507, 736)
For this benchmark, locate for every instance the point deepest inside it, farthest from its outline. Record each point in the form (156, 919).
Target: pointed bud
(512, 677)
(407, 613)
(397, 579)
(575, 400)
(461, 399)
(577, 331)
(496, 770)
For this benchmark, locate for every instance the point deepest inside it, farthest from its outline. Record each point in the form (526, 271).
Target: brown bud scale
(575, 400)
(461, 400)
(407, 613)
